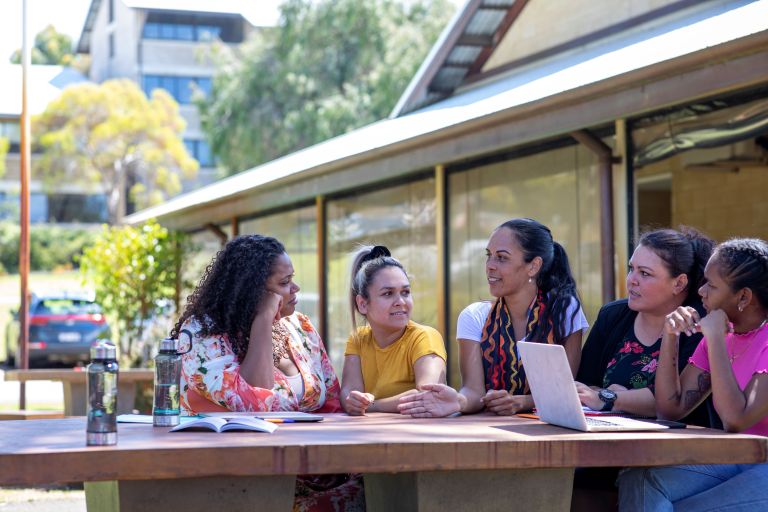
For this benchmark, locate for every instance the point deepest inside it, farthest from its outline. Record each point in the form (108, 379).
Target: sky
(67, 16)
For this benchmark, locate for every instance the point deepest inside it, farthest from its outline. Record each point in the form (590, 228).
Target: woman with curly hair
(251, 351)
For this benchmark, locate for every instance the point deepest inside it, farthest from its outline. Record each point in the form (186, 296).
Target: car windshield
(66, 307)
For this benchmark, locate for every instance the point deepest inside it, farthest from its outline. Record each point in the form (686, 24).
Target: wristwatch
(608, 397)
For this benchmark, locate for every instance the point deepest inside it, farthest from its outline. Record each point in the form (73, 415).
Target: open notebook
(554, 392)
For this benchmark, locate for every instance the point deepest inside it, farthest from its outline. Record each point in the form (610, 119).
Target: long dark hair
(554, 279)
(683, 251)
(743, 263)
(231, 290)
(367, 262)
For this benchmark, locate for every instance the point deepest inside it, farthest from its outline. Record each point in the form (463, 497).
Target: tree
(329, 67)
(111, 135)
(51, 47)
(132, 269)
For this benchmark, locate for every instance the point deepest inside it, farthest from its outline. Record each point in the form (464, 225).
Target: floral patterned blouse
(211, 381)
(633, 365)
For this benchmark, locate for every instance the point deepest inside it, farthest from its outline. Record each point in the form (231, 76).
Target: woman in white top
(536, 300)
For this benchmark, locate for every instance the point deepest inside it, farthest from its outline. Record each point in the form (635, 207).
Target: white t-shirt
(472, 319)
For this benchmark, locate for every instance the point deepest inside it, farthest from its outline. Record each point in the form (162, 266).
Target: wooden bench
(73, 381)
(25, 414)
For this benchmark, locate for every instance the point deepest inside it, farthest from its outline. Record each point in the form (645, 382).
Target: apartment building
(167, 44)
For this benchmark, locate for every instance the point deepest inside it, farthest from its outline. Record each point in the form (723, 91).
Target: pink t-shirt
(751, 357)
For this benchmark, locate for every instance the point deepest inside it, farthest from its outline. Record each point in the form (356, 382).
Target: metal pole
(24, 209)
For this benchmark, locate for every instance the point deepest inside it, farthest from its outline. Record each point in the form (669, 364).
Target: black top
(633, 365)
(607, 337)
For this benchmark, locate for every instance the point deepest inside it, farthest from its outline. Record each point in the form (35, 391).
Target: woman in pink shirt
(731, 362)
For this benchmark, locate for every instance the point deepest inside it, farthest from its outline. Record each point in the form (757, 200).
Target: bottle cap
(103, 349)
(168, 345)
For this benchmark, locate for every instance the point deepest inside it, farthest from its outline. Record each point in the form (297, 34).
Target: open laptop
(554, 392)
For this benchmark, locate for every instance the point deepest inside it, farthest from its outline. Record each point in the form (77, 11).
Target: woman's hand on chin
(431, 401)
(683, 320)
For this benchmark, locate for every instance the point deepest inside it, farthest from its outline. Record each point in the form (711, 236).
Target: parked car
(62, 327)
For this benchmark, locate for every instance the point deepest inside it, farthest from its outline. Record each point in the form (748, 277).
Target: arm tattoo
(693, 397)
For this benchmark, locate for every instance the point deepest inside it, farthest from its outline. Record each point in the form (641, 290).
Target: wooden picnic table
(73, 381)
(474, 463)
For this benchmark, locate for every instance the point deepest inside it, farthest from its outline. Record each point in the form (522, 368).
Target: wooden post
(24, 209)
(322, 263)
(441, 278)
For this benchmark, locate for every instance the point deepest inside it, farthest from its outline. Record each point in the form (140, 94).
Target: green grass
(39, 282)
(39, 406)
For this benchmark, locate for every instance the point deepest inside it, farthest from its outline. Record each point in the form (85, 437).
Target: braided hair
(231, 290)
(743, 263)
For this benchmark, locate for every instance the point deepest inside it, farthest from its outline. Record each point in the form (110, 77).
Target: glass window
(77, 208)
(170, 84)
(167, 31)
(205, 245)
(185, 90)
(38, 208)
(185, 32)
(297, 230)
(557, 188)
(402, 218)
(151, 31)
(205, 85)
(151, 83)
(204, 156)
(10, 130)
(207, 32)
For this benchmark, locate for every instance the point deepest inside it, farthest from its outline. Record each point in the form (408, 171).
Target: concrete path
(41, 500)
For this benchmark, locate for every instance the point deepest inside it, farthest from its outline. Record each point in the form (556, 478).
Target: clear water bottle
(165, 408)
(102, 395)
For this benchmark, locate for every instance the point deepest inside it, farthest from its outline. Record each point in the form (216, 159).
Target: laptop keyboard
(594, 422)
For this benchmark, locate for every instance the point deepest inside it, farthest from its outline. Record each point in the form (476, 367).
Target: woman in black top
(618, 361)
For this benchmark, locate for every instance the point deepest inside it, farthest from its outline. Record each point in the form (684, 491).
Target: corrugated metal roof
(724, 24)
(467, 42)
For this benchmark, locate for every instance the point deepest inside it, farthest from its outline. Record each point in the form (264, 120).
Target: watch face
(606, 395)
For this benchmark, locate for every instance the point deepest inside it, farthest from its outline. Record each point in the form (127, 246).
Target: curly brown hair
(229, 294)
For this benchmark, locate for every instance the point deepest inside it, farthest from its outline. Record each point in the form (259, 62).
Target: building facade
(167, 44)
(633, 114)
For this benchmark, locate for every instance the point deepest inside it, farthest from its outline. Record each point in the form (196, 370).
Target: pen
(279, 420)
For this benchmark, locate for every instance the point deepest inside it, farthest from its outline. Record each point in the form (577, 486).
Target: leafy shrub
(50, 247)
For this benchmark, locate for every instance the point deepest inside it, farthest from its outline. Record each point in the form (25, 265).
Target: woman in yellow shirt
(392, 355)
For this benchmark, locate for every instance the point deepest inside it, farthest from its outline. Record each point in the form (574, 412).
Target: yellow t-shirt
(389, 371)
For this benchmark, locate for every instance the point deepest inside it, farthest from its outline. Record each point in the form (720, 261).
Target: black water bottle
(102, 395)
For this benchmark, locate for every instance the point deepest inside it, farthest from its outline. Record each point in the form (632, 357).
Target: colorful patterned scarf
(501, 361)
